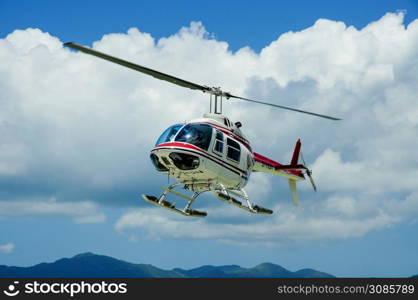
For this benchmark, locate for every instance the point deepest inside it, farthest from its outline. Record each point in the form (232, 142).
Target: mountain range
(93, 265)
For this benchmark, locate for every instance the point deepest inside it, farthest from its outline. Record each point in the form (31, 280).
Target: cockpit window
(168, 134)
(218, 147)
(233, 150)
(196, 134)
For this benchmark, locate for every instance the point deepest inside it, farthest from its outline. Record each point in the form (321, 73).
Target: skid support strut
(162, 202)
(225, 195)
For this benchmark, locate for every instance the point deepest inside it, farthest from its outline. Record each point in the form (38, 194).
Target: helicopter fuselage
(204, 153)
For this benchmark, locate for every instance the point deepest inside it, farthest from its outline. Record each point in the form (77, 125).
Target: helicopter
(212, 154)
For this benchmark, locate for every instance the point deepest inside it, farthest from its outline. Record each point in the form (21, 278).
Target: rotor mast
(215, 101)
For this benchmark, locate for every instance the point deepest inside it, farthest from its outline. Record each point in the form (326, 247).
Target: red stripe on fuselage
(178, 145)
(269, 162)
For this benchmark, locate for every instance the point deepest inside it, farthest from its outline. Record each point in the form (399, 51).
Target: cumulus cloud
(80, 211)
(81, 126)
(334, 218)
(7, 248)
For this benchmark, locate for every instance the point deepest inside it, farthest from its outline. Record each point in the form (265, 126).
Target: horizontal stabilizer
(291, 167)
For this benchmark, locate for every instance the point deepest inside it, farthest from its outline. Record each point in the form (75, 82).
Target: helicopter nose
(184, 161)
(157, 164)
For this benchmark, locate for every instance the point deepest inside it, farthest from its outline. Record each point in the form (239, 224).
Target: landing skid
(162, 202)
(188, 212)
(221, 193)
(255, 209)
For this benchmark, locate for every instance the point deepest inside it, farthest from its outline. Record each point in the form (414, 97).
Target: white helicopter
(211, 153)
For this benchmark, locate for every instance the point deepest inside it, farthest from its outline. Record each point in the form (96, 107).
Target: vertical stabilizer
(293, 192)
(295, 156)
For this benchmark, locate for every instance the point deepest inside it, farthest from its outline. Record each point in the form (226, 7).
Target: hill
(93, 265)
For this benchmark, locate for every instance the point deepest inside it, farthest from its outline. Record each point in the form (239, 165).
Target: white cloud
(289, 225)
(89, 124)
(7, 248)
(81, 212)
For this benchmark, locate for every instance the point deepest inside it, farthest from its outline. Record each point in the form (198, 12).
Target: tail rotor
(308, 172)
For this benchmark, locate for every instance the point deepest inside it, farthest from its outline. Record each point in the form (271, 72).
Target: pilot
(197, 138)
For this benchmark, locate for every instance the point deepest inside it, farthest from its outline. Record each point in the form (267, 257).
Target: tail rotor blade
(308, 172)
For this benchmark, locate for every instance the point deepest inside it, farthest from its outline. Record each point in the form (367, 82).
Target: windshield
(168, 134)
(196, 134)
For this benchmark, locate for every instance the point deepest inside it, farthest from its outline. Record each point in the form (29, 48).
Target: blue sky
(240, 25)
(67, 187)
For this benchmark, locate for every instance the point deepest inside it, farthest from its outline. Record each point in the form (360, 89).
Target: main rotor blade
(179, 81)
(148, 71)
(284, 107)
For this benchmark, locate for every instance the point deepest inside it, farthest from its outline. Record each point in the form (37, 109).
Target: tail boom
(293, 171)
(266, 165)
